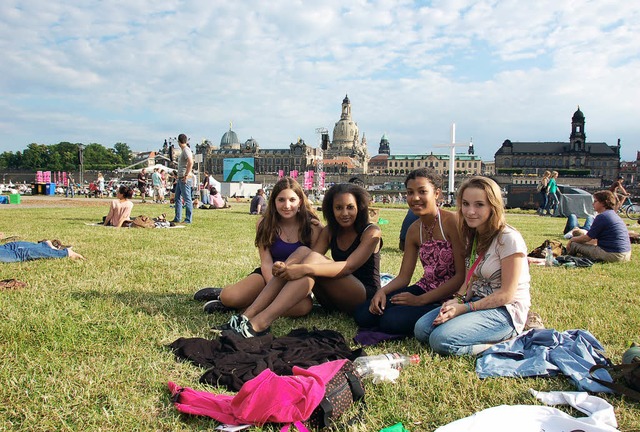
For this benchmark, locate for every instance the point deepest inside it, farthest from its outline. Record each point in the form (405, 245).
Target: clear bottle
(377, 364)
(548, 259)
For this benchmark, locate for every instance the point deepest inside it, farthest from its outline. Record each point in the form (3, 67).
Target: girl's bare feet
(74, 255)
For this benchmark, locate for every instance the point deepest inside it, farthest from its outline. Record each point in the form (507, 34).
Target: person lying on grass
(19, 251)
(352, 277)
(493, 303)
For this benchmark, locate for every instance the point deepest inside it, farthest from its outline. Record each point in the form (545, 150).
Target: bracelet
(459, 297)
(468, 306)
(472, 306)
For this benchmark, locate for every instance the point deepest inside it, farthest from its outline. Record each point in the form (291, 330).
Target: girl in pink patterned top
(435, 239)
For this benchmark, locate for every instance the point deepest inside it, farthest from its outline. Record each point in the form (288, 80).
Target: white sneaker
(568, 235)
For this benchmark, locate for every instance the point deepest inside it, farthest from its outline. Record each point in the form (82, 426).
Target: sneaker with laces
(207, 294)
(245, 329)
(215, 306)
(233, 323)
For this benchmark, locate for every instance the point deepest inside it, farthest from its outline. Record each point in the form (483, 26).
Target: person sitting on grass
(352, 277)
(289, 223)
(435, 239)
(608, 237)
(19, 251)
(493, 303)
(120, 208)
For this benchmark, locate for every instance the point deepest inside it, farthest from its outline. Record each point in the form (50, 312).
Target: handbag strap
(617, 387)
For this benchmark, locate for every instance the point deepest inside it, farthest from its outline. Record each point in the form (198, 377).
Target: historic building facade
(346, 145)
(576, 156)
(298, 156)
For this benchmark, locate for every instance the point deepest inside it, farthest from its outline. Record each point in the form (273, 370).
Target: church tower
(384, 145)
(577, 137)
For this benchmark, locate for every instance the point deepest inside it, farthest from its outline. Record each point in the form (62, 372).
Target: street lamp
(81, 163)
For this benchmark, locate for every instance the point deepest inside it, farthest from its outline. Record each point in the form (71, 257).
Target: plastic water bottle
(381, 364)
(548, 259)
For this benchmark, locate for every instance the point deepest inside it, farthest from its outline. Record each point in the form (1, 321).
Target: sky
(140, 72)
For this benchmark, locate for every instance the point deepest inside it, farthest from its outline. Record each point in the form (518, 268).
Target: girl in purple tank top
(433, 238)
(288, 223)
(342, 283)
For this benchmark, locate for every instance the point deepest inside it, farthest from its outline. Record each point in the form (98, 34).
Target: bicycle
(631, 210)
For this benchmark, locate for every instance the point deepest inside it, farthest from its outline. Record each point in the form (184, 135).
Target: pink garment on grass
(267, 398)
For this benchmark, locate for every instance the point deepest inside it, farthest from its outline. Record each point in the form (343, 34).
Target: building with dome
(298, 156)
(576, 157)
(346, 148)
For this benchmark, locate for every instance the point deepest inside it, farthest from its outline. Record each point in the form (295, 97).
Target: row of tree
(65, 156)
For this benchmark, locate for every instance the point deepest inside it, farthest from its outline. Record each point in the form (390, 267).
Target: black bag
(341, 392)
(626, 378)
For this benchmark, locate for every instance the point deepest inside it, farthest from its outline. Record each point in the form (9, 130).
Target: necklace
(429, 229)
(288, 235)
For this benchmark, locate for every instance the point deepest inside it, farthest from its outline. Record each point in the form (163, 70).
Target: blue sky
(141, 71)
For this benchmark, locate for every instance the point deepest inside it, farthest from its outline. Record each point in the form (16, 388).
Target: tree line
(65, 156)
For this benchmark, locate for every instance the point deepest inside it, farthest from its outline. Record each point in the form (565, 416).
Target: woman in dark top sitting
(352, 277)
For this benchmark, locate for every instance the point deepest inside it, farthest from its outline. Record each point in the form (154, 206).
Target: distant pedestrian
(552, 196)
(100, 185)
(71, 187)
(142, 183)
(543, 188)
(184, 181)
(156, 182)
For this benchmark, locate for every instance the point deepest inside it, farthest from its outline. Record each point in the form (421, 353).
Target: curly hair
(269, 227)
(434, 178)
(606, 198)
(362, 201)
(497, 220)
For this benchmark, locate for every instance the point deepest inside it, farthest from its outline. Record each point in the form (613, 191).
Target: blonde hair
(546, 174)
(496, 221)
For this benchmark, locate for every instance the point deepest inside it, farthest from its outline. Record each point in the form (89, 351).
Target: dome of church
(251, 143)
(229, 140)
(578, 115)
(384, 138)
(345, 131)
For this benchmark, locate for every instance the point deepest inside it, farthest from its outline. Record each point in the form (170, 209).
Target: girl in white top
(493, 303)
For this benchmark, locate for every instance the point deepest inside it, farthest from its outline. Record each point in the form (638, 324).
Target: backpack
(626, 378)
(341, 392)
(556, 247)
(143, 222)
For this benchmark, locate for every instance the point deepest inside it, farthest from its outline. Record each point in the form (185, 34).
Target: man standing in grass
(184, 182)
(142, 183)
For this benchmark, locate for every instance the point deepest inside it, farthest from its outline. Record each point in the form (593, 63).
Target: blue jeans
(26, 251)
(396, 319)
(543, 201)
(572, 223)
(459, 335)
(70, 191)
(183, 190)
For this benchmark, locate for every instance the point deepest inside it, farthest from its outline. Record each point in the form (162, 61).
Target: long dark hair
(362, 200)
(269, 227)
(126, 191)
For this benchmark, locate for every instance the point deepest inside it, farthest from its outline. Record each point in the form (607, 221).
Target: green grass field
(83, 346)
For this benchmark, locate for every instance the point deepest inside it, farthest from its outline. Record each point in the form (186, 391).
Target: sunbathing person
(120, 209)
(19, 251)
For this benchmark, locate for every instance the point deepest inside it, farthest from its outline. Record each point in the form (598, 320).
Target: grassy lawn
(82, 348)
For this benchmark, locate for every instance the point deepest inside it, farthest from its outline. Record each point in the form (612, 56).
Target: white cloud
(140, 71)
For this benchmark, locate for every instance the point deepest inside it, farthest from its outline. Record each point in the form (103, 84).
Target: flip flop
(12, 284)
